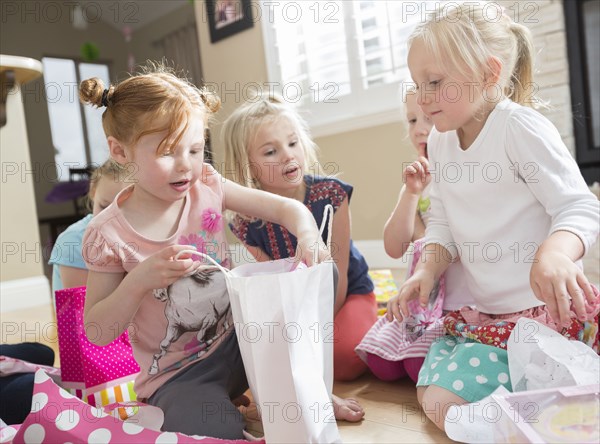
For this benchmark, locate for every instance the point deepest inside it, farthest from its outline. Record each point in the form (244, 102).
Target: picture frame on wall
(228, 17)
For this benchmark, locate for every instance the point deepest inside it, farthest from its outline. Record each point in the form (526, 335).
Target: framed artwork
(228, 17)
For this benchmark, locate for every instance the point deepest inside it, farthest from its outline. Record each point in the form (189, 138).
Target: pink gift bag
(58, 417)
(98, 375)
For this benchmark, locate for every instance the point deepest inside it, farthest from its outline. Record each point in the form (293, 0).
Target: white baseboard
(376, 257)
(25, 293)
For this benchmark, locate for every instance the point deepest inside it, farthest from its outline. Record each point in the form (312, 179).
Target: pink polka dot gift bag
(58, 417)
(98, 375)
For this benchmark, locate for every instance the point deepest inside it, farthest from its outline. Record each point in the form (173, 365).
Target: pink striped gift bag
(98, 375)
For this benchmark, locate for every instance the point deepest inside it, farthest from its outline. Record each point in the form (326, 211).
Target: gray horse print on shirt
(197, 302)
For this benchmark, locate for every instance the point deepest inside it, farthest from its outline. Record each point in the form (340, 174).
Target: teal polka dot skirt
(467, 368)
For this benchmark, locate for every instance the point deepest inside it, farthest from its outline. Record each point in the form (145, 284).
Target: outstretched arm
(289, 213)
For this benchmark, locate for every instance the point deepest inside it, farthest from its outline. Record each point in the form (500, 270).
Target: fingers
(176, 263)
(563, 303)
(406, 293)
(557, 299)
(419, 167)
(577, 298)
(397, 307)
(424, 161)
(393, 310)
(172, 250)
(425, 291)
(312, 256)
(545, 293)
(586, 287)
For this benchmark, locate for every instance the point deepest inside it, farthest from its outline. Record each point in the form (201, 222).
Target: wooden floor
(392, 413)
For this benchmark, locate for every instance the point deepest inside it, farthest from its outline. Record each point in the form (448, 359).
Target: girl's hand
(162, 269)
(556, 280)
(420, 285)
(311, 249)
(416, 176)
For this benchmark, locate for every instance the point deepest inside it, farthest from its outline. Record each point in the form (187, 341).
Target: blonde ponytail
(521, 88)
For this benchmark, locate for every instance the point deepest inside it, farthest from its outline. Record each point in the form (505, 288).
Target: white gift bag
(283, 317)
(541, 358)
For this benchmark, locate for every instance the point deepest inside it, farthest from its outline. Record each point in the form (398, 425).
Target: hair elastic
(105, 98)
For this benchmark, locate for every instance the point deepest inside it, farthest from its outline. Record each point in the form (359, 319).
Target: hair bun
(92, 91)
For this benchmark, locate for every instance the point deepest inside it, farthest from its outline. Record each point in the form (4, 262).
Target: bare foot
(347, 409)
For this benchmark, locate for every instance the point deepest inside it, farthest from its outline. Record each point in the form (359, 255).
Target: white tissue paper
(538, 358)
(541, 358)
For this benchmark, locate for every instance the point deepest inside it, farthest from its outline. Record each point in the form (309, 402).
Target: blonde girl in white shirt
(507, 199)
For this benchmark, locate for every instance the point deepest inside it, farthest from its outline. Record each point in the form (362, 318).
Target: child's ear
(117, 151)
(494, 70)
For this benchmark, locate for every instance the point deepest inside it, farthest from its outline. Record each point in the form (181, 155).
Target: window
(583, 34)
(341, 61)
(77, 134)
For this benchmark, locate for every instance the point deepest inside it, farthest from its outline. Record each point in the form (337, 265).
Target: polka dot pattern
(8, 433)
(38, 402)
(474, 362)
(80, 360)
(467, 368)
(60, 418)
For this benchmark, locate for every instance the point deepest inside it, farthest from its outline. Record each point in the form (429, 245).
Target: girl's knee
(436, 401)
(347, 366)
(420, 393)
(350, 371)
(384, 369)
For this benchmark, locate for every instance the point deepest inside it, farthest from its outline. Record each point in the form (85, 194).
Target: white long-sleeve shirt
(496, 202)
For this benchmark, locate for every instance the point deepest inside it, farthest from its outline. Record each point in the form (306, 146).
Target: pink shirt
(192, 315)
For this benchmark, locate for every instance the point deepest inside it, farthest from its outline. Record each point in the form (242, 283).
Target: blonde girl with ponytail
(507, 199)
